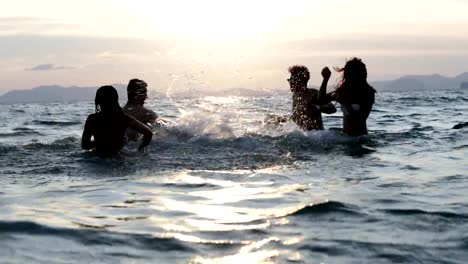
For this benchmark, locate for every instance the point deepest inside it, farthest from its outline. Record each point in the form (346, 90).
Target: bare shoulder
(150, 115)
(149, 111)
(91, 118)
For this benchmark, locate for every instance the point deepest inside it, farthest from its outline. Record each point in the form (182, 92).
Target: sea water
(219, 185)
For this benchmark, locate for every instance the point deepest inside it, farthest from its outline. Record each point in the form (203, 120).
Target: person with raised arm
(306, 108)
(355, 96)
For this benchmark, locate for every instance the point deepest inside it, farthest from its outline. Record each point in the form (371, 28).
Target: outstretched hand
(326, 73)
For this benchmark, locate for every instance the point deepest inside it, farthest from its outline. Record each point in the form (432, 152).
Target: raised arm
(141, 128)
(323, 97)
(86, 142)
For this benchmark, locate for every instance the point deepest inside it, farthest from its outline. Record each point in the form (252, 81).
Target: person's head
(354, 75)
(299, 77)
(107, 99)
(136, 91)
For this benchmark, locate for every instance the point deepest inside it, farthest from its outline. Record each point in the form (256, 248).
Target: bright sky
(220, 44)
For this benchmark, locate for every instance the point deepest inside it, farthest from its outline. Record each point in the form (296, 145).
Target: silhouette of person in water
(306, 110)
(108, 125)
(355, 96)
(137, 95)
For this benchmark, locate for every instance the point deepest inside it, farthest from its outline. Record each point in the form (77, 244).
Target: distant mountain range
(56, 93)
(423, 83)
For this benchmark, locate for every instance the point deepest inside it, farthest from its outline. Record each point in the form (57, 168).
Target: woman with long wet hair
(355, 96)
(108, 124)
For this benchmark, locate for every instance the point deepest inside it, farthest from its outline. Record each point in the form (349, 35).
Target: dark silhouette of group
(111, 126)
(354, 94)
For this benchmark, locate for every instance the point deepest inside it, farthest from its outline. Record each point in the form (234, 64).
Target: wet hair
(107, 100)
(136, 90)
(353, 79)
(300, 73)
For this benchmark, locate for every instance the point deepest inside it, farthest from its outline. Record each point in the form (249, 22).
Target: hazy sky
(220, 44)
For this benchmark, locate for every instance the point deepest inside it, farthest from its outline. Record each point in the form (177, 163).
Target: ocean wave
(385, 137)
(250, 141)
(189, 185)
(249, 151)
(17, 111)
(358, 251)
(461, 147)
(48, 169)
(329, 207)
(67, 143)
(56, 123)
(21, 132)
(419, 212)
(178, 146)
(22, 129)
(460, 125)
(413, 99)
(265, 143)
(6, 149)
(418, 128)
(90, 235)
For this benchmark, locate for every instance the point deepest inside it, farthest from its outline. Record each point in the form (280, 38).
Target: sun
(210, 19)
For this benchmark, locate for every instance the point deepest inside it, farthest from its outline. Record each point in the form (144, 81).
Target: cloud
(30, 25)
(39, 47)
(17, 19)
(49, 67)
(380, 44)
